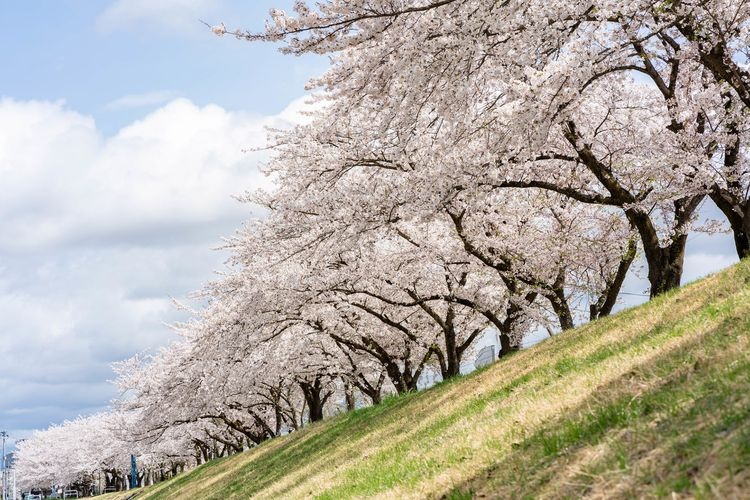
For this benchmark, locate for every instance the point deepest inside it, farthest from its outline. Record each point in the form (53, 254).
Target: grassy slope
(651, 401)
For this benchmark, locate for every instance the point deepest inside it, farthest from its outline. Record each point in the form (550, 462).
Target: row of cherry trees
(93, 453)
(640, 106)
(471, 165)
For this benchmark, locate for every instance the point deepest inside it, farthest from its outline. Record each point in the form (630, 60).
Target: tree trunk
(665, 264)
(397, 378)
(738, 215)
(506, 346)
(453, 359)
(315, 399)
(370, 390)
(450, 360)
(512, 313)
(375, 397)
(559, 301)
(351, 402)
(741, 235)
(506, 328)
(731, 199)
(608, 299)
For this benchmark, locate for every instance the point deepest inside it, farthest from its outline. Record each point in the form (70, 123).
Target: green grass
(652, 402)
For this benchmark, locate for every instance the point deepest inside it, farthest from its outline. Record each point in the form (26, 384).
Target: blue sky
(122, 130)
(92, 53)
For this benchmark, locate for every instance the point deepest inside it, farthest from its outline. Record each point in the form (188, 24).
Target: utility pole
(4, 436)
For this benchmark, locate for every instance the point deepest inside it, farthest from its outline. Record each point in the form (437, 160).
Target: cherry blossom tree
(468, 63)
(471, 166)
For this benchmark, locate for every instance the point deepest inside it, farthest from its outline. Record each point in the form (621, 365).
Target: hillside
(651, 401)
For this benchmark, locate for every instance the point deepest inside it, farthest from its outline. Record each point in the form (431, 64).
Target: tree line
(470, 165)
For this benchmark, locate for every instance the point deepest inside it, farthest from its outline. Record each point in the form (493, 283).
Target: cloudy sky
(122, 131)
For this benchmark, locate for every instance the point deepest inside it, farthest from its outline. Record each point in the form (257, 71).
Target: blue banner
(133, 473)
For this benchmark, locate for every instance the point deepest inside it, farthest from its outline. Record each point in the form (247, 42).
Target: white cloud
(64, 183)
(98, 233)
(145, 99)
(171, 15)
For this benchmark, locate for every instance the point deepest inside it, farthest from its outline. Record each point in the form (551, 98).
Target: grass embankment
(651, 401)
